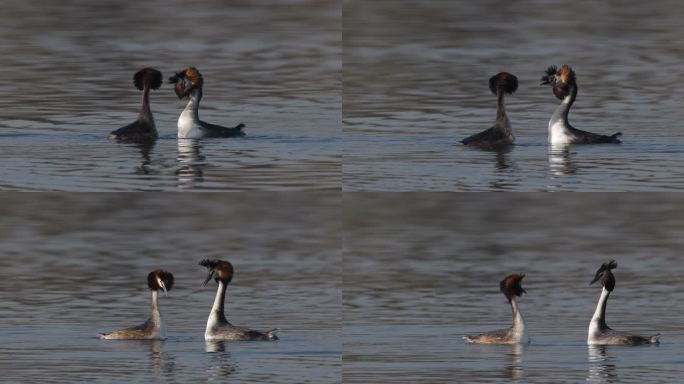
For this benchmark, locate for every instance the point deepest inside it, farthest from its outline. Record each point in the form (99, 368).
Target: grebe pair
(187, 85)
(218, 328)
(563, 83)
(599, 332)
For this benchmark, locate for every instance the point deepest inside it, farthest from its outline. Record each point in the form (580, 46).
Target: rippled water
(416, 82)
(273, 65)
(422, 270)
(75, 265)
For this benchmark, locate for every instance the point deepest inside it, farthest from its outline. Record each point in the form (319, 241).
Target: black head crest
(605, 275)
(510, 285)
(147, 77)
(549, 76)
(160, 279)
(551, 70)
(176, 77)
(219, 270)
(503, 82)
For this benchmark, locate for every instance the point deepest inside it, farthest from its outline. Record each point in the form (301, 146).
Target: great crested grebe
(517, 333)
(143, 129)
(599, 332)
(564, 85)
(154, 327)
(188, 84)
(501, 134)
(218, 328)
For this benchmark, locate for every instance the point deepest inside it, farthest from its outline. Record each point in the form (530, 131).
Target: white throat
(519, 327)
(598, 321)
(215, 317)
(156, 318)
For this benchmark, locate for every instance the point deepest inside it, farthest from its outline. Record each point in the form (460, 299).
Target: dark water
(273, 65)
(75, 265)
(416, 82)
(422, 270)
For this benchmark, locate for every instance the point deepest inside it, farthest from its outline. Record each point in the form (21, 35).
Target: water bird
(218, 327)
(599, 332)
(154, 328)
(517, 332)
(564, 85)
(142, 129)
(188, 85)
(501, 134)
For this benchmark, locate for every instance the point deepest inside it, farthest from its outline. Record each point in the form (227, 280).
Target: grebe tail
(564, 86)
(517, 332)
(599, 332)
(501, 134)
(142, 129)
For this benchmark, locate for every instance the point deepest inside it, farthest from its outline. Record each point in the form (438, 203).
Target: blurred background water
(76, 265)
(416, 82)
(421, 270)
(69, 65)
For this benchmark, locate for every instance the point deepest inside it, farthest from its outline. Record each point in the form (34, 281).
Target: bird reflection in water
(601, 368)
(191, 163)
(515, 370)
(161, 364)
(220, 363)
(503, 159)
(500, 152)
(145, 148)
(560, 162)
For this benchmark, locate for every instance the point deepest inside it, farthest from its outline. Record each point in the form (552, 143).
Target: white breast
(558, 133)
(188, 128)
(594, 332)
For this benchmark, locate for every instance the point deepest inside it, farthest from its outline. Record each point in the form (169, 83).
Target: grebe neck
(600, 312)
(193, 103)
(156, 313)
(501, 118)
(564, 108)
(145, 112)
(217, 315)
(519, 329)
(518, 320)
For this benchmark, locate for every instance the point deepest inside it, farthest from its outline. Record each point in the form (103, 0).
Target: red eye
(179, 89)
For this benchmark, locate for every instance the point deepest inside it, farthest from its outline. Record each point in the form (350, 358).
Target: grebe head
(185, 81)
(503, 81)
(605, 275)
(560, 80)
(149, 76)
(218, 269)
(160, 279)
(510, 286)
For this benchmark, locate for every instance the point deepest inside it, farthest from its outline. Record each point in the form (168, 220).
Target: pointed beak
(596, 278)
(163, 287)
(209, 276)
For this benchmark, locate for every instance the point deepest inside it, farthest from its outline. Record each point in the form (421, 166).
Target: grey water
(416, 82)
(421, 270)
(74, 265)
(272, 65)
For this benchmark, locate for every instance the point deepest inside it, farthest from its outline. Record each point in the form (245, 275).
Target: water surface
(76, 265)
(416, 82)
(421, 270)
(273, 65)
